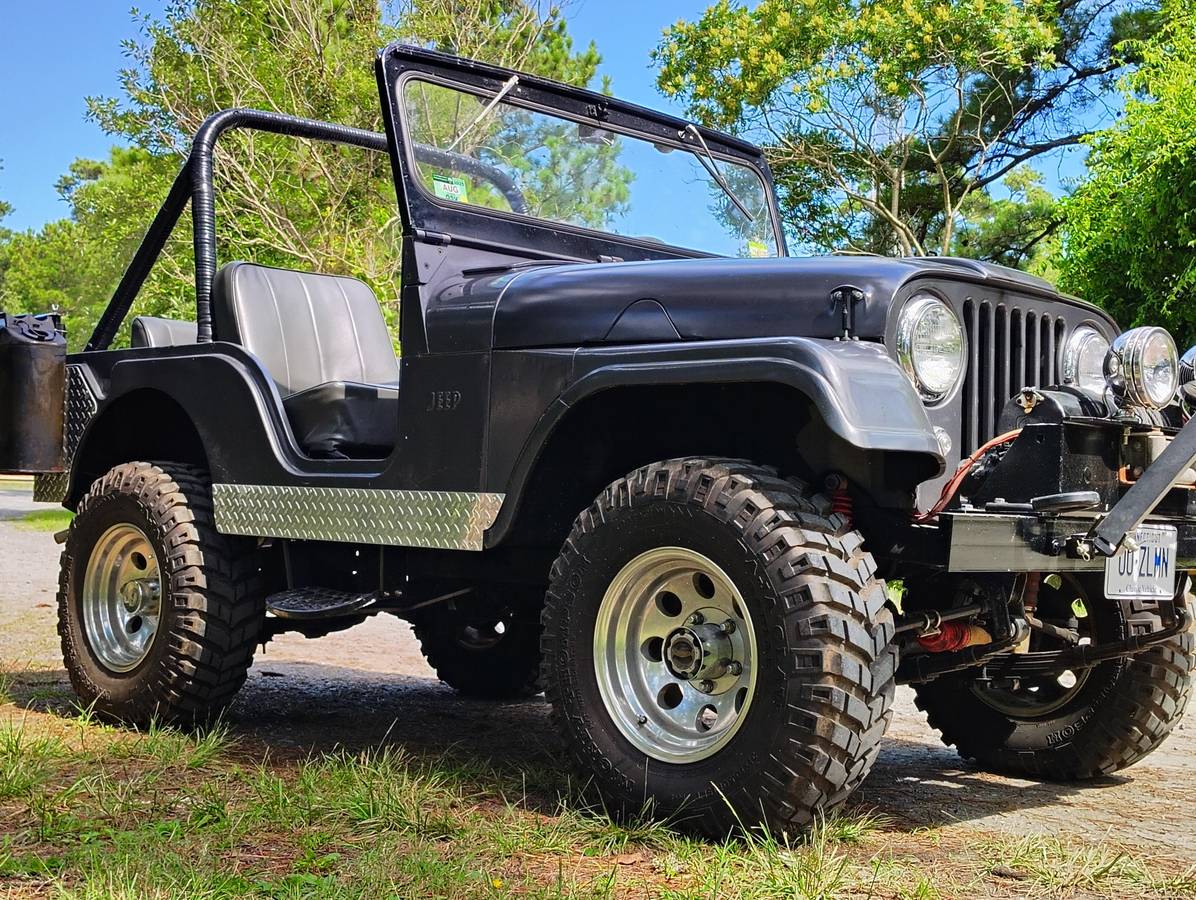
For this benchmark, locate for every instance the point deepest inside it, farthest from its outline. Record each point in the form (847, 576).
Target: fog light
(1142, 368)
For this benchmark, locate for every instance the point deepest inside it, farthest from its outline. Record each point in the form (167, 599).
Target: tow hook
(1028, 399)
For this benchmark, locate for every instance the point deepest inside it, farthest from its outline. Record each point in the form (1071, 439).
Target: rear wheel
(485, 644)
(717, 648)
(1071, 724)
(157, 611)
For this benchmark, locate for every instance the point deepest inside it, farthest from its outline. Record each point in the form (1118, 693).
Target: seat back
(307, 329)
(153, 331)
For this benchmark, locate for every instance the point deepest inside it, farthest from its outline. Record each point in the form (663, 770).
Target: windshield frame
(478, 226)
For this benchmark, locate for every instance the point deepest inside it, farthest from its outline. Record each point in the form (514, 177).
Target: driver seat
(323, 340)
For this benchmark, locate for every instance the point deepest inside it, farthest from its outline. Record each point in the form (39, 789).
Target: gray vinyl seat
(154, 331)
(323, 340)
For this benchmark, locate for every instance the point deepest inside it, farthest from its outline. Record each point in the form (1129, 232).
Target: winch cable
(952, 486)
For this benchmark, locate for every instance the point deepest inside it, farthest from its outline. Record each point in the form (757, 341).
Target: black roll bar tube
(194, 183)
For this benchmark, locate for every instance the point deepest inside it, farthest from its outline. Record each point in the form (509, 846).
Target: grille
(1010, 346)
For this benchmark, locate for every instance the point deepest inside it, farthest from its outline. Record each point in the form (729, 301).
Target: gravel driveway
(369, 684)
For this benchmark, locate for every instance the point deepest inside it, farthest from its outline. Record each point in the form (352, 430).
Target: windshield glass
(471, 150)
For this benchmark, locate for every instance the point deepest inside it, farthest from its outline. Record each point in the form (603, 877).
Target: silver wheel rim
(122, 598)
(675, 655)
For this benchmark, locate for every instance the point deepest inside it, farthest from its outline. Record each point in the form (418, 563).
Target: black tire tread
(840, 660)
(483, 675)
(1145, 703)
(218, 608)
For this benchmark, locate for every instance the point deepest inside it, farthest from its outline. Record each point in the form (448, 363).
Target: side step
(317, 603)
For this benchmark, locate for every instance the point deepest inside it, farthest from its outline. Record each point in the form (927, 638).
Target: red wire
(952, 486)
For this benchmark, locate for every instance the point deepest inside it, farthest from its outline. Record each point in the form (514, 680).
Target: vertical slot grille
(1009, 347)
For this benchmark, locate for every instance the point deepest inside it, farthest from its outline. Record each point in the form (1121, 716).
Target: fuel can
(32, 393)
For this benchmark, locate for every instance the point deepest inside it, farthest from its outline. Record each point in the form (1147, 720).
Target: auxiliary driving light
(1084, 361)
(1187, 381)
(1187, 367)
(1142, 368)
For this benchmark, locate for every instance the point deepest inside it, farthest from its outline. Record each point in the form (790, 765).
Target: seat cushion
(153, 331)
(345, 419)
(307, 329)
(323, 340)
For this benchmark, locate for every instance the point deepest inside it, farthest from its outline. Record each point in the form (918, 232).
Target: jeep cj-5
(714, 501)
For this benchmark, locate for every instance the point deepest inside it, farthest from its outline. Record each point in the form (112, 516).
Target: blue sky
(45, 88)
(56, 53)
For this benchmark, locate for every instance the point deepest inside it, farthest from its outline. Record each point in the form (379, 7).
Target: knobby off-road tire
(488, 645)
(823, 650)
(1123, 710)
(210, 608)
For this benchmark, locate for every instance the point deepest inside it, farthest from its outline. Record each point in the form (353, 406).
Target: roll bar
(194, 183)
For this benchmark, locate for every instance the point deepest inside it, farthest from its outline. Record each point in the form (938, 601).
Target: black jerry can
(32, 393)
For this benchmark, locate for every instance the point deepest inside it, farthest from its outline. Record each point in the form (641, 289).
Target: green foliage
(886, 121)
(1016, 230)
(1131, 227)
(278, 201)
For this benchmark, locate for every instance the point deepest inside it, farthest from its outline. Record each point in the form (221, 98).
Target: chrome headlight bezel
(1125, 368)
(913, 314)
(1073, 356)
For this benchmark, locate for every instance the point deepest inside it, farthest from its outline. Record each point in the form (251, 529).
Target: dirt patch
(370, 687)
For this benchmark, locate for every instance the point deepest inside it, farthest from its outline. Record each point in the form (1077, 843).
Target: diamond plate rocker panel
(81, 405)
(445, 520)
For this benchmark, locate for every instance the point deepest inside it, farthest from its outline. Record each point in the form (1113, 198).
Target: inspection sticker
(448, 188)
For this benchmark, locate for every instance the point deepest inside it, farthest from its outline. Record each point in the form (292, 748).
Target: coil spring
(841, 502)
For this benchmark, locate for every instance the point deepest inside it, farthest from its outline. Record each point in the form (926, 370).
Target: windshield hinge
(433, 237)
(844, 298)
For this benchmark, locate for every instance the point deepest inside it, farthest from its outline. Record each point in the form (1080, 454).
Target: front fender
(857, 388)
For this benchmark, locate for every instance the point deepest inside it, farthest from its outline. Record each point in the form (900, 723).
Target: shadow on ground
(292, 710)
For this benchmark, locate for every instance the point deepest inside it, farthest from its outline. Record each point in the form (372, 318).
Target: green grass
(1058, 868)
(90, 811)
(55, 519)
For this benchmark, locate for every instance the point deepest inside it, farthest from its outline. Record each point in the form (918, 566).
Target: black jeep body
(541, 362)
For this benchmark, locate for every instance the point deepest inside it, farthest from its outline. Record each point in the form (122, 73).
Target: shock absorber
(841, 502)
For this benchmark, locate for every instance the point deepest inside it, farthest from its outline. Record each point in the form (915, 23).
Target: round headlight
(930, 347)
(1142, 368)
(1084, 361)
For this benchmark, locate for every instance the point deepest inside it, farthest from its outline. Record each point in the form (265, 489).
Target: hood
(719, 299)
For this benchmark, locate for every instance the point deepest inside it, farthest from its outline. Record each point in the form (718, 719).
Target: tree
(279, 201)
(1016, 230)
(1130, 228)
(884, 119)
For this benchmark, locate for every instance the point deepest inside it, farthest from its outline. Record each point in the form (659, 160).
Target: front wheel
(1068, 725)
(717, 648)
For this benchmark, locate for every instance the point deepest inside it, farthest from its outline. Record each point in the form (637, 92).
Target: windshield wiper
(502, 92)
(711, 166)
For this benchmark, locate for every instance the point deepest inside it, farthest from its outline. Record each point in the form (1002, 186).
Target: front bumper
(1005, 542)
(1008, 535)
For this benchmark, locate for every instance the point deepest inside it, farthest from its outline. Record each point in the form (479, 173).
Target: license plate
(1147, 571)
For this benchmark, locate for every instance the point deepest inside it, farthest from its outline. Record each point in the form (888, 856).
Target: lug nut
(706, 685)
(728, 627)
(734, 668)
(696, 619)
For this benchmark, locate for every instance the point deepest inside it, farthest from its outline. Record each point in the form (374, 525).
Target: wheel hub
(121, 598)
(674, 655)
(700, 653)
(139, 592)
